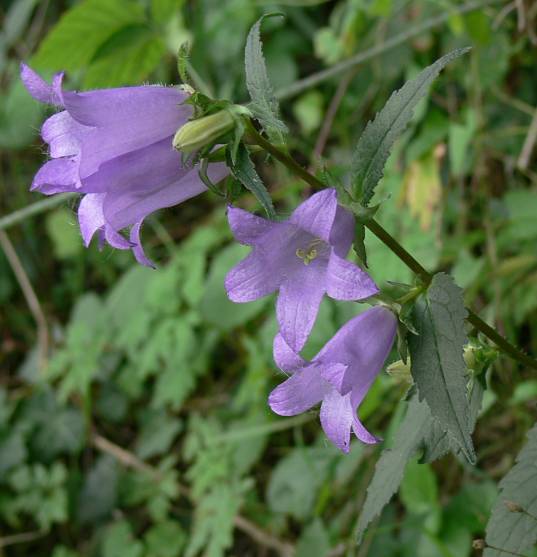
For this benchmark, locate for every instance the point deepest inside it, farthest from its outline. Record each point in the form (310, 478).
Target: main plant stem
(385, 237)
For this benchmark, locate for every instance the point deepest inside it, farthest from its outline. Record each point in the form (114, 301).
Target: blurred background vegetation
(133, 415)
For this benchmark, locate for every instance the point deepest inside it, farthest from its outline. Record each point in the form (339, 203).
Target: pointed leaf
(437, 359)
(264, 105)
(244, 170)
(380, 134)
(515, 532)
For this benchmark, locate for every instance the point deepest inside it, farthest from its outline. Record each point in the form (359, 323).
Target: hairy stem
(385, 237)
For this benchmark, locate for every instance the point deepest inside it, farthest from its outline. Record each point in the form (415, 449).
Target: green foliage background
(147, 433)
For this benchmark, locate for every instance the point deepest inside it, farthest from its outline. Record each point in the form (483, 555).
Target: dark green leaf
(515, 531)
(380, 134)
(244, 170)
(437, 359)
(99, 492)
(390, 467)
(264, 105)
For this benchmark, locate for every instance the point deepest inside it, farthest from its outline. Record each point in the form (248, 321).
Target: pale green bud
(400, 371)
(202, 132)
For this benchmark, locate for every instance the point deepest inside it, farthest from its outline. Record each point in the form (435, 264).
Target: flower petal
(250, 279)
(334, 373)
(144, 181)
(337, 419)
(363, 344)
(63, 134)
(342, 233)
(316, 214)
(360, 431)
(90, 216)
(37, 87)
(346, 281)
(299, 393)
(57, 176)
(285, 358)
(298, 303)
(246, 227)
(138, 249)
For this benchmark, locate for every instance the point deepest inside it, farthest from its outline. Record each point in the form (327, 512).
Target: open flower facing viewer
(302, 258)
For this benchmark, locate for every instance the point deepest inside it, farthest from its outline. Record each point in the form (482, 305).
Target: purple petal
(115, 239)
(144, 181)
(38, 87)
(334, 374)
(250, 279)
(342, 233)
(346, 281)
(300, 392)
(90, 216)
(337, 419)
(285, 358)
(360, 431)
(246, 227)
(138, 249)
(298, 303)
(56, 176)
(63, 134)
(316, 214)
(363, 344)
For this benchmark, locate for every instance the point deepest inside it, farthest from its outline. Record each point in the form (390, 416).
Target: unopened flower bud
(513, 507)
(202, 132)
(479, 544)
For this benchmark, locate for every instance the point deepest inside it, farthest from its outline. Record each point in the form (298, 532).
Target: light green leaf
(213, 522)
(63, 233)
(244, 170)
(264, 105)
(71, 44)
(437, 359)
(515, 532)
(119, 540)
(380, 134)
(419, 490)
(127, 58)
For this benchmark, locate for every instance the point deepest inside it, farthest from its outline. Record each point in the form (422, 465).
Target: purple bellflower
(339, 376)
(115, 146)
(303, 258)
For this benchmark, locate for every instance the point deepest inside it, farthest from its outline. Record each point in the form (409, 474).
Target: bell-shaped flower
(302, 257)
(115, 146)
(338, 377)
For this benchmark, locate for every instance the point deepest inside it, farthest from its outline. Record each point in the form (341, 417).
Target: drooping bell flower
(303, 258)
(338, 377)
(115, 146)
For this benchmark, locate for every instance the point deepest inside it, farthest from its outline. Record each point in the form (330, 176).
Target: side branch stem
(384, 236)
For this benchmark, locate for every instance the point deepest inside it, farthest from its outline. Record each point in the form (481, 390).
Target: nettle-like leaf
(380, 134)
(512, 528)
(244, 170)
(264, 105)
(436, 353)
(419, 434)
(390, 467)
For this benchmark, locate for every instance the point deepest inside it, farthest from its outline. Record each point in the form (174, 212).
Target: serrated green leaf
(264, 105)
(244, 170)
(515, 532)
(380, 134)
(71, 44)
(436, 353)
(390, 467)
